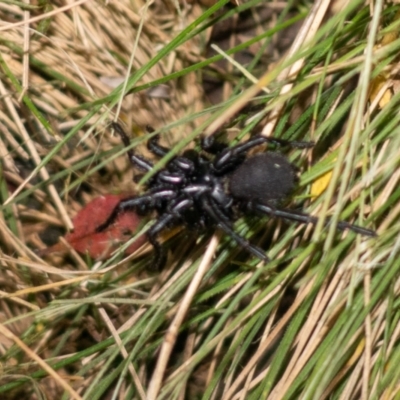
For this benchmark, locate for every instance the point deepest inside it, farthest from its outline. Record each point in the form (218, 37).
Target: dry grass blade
(305, 35)
(320, 320)
(7, 333)
(172, 332)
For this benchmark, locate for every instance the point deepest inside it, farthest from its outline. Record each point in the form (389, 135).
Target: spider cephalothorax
(213, 188)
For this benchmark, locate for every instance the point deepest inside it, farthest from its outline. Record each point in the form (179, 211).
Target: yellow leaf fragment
(375, 88)
(319, 186)
(378, 83)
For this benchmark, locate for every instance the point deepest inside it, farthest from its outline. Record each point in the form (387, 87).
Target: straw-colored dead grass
(72, 61)
(69, 324)
(77, 55)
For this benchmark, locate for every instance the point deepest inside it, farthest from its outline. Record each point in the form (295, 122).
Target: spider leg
(160, 256)
(308, 219)
(231, 154)
(137, 161)
(212, 146)
(153, 144)
(169, 219)
(223, 222)
(181, 164)
(145, 201)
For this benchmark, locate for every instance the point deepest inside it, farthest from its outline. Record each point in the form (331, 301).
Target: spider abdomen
(264, 177)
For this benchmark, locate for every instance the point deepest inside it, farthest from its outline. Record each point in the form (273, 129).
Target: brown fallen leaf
(99, 245)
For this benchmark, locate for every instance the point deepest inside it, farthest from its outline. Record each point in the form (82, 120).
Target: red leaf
(100, 245)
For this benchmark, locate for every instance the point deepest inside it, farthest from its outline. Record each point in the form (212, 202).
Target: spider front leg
(142, 203)
(308, 219)
(153, 144)
(137, 161)
(181, 164)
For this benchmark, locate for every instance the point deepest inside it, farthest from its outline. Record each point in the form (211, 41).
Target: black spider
(213, 188)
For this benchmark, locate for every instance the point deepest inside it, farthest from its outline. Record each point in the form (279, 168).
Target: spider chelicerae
(214, 187)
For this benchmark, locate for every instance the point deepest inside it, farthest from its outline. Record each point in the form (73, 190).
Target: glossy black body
(213, 188)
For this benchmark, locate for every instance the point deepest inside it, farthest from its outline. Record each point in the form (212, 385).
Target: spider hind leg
(304, 218)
